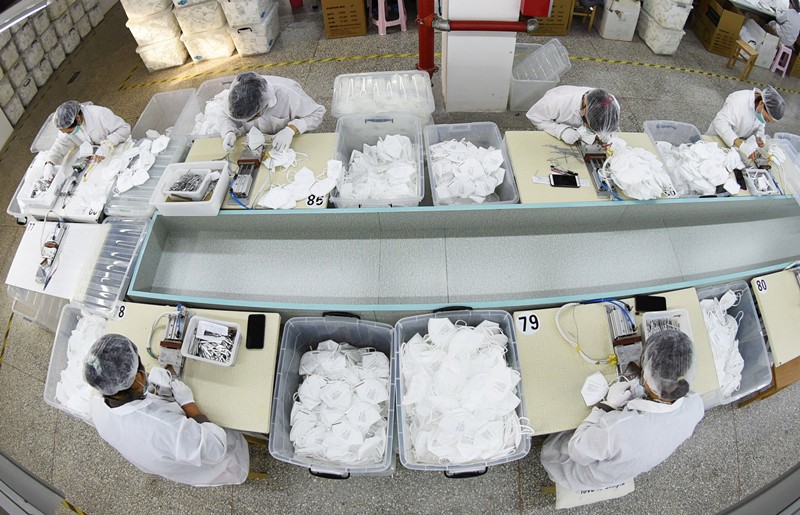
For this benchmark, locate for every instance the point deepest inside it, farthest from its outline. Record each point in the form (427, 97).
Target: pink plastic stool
(780, 64)
(381, 21)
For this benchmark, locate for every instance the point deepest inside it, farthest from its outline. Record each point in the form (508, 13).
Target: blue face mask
(75, 130)
(760, 117)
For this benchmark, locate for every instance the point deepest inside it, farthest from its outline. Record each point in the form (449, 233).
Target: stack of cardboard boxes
(717, 26)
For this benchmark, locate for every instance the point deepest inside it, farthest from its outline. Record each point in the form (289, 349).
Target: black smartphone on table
(256, 324)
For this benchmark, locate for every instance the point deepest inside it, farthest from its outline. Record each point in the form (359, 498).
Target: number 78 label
(527, 322)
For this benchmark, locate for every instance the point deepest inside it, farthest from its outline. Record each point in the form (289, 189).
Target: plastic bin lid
(46, 137)
(383, 92)
(548, 62)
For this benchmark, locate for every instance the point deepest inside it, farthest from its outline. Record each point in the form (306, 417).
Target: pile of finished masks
(384, 171)
(465, 173)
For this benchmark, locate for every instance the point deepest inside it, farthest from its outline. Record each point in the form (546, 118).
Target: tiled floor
(733, 452)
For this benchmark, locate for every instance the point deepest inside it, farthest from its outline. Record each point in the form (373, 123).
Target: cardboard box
(718, 28)
(344, 18)
(556, 24)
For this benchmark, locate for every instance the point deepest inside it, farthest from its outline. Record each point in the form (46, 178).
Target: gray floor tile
(27, 427)
(768, 434)
(92, 475)
(28, 348)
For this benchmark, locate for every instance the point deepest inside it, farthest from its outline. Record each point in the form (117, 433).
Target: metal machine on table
(170, 346)
(594, 156)
(249, 163)
(50, 247)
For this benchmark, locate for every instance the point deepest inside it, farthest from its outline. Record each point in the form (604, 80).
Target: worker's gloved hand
(570, 136)
(181, 392)
(283, 139)
(49, 172)
(619, 394)
(228, 142)
(760, 142)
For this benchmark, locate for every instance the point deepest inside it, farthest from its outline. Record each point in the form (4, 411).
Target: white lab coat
(610, 448)
(99, 124)
(787, 26)
(286, 103)
(157, 437)
(737, 118)
(558, 109)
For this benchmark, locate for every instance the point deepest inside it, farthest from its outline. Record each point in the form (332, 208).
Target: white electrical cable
(575, 343)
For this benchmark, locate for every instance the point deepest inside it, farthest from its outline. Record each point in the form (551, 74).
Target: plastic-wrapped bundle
(660, 40)
(84, 26)
(155, 28)
(71, 40)
(8, 57)
(670, 14)
(698, 168)
(245, 12)
(33, 55)
(459, 393)
(76, 11)
(41, 72)
(72, 391)
(56, 56)
(257, 38)
(639, 173)
(200, 17)
(211, 44)
(14, 110)
(341, 409)
(48, 39)
(6, 91)
(142, 8)
(95, 16)
(24, 36)
(387, 170)
(17, 74)
(463, 172)
(27, 90)
(41, 22)
(63, 24)
(164, 54)
(55, 9)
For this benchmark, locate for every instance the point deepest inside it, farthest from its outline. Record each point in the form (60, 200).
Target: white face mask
(373, 391)
(310, 390)
(363, 415)
(337, 395)
(594, 389)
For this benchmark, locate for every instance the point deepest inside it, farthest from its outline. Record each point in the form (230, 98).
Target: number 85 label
(527, 322)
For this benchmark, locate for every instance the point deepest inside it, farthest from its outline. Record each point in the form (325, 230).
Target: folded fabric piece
(637, 172)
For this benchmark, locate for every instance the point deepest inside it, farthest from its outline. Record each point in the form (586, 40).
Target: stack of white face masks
(465, 173)
(459, 394)
(72, 390)
(207, 122)
(388, 170)
(722, 329)
(637, 172)
(698, 168)
(341, 408)
(304, 186)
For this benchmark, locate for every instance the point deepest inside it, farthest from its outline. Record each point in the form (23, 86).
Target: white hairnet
(667, 364)
(602, 113)
(248, 96)
(774, 102)
(66, 114)
(111, 364)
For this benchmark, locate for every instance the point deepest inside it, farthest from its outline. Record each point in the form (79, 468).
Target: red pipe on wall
(498, 26)
(425, 17)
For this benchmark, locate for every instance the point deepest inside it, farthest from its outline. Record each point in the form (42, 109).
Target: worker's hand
(570, 136)
(738, 142)
(283, 139)
(97, 158)
(49, 172)
(760, 142)
(228, 142)
(181, 392)
(619, 394)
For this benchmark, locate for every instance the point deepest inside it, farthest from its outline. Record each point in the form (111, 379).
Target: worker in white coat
(172, 439)
(85, 123)
(787, 22)
(622, 438)
(573, 113)
(746, 113)
(274, 105)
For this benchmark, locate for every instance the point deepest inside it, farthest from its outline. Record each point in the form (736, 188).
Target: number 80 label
(527, 322)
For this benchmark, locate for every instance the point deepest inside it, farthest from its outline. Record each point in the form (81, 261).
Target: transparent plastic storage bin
(71, 40)
(55, 9)
(202, 17)
(670, 14)
(660, 40)
(38, 308)
(84, 26)
(155, 28)
(45, 137)
(480, 134)
(304, 334)
(355, 130)
(164, 54)
(48, 39)
(33, 55)
(41, 22)
(27, 91)
(200, 208)
(14, 109)
(523, 92)
(403, 331)
(142, 8)
(257, 38)
(89, 5)
(68, 321)
(9, 55)
(546, 62)
(245, 12)
(791, 138)
(383, 92)
(205, 92)
(211, 44)
(674, 133)
(62, 24)
(788, 173)
(24, 36)
(56, 55)
(757, 372)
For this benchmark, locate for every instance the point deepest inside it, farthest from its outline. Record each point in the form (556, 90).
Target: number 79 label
(527, 322)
